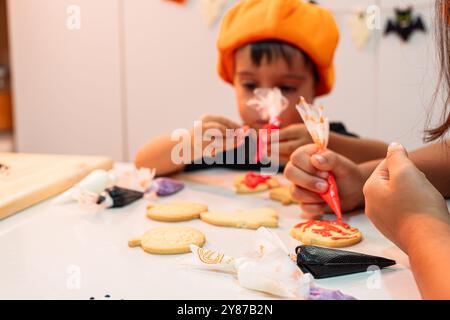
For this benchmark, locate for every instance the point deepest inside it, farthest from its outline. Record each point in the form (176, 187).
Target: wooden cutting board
(27, 179)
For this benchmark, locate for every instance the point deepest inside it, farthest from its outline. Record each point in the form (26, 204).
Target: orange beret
(306, 26)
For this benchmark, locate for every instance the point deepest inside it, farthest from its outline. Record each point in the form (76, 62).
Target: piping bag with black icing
(267, 267)
(126, 185)
(319, 128)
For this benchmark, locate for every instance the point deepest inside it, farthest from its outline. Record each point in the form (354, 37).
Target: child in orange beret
(285, 44)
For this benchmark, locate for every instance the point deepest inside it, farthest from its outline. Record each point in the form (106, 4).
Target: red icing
(325, 229)
(270, 126)
(331, 197)
(264, 140)
(252, 180)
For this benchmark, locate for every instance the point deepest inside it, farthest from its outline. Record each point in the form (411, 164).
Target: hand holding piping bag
(319, 129)
(269, 103)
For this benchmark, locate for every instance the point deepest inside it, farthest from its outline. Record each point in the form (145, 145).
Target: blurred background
(6, 123)
(128, 70)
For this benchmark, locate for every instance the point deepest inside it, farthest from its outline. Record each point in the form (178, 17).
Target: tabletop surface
(63, 252)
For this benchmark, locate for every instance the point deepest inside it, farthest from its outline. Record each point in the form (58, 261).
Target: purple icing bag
(316, 293)
(166, 186)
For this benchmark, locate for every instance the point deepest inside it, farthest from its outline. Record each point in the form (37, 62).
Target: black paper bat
(405, 24)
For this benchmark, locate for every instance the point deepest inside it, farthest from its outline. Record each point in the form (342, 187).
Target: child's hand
(291, 138)
(214, 128)
(400, 200)
(307, 170)
(219, 122)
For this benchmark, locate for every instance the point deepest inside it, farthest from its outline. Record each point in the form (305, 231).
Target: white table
(62, 252)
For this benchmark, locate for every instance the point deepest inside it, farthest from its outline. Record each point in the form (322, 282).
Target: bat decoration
(405, 23)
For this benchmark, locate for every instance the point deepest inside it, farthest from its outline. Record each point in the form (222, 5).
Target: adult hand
(399, 198)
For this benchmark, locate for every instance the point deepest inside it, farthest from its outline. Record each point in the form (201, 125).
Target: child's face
(294, 81)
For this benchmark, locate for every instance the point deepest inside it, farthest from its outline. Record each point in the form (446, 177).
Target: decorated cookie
(168, 240)
(175, 211)
(282, 194)
(326, 233)
(248, 219)
(253, 182)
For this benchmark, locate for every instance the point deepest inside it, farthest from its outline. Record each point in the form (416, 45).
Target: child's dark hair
(274, 49)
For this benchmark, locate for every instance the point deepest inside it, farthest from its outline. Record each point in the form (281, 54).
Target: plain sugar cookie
(248, 219)
(168, 240)
(282, 194)
(326, 233)
(175, 211)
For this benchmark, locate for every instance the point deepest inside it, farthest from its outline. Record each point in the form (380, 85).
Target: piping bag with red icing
(269, 103)
(319, 128)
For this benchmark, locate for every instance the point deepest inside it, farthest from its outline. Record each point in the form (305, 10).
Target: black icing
(324, 262)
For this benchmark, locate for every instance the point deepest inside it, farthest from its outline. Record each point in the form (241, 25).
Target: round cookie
(169, 240)
(326, 233)
(175, 211)
(242, 186)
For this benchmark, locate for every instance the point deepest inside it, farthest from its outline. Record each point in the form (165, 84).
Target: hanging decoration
(178, 1)
(405, 24)
(360, 32)
(212, 10)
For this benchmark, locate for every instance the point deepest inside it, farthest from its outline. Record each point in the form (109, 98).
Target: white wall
(162, 58)
(406, 80)
(66, 83)
(384, 91)
(171, 69)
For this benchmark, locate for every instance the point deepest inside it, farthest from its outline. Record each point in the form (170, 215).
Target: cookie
(253, 182)
(282, 194)
(168, 240)
(248, 219)
(326, 233)
(175, 211)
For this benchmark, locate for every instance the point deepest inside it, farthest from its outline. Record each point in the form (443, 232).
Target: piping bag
(143, 180)
(124, 186)
(96, 181)
(114, 197)
(319, 128)
(100, 180)
(267, 267)
(269, 103)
